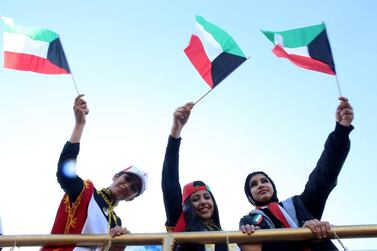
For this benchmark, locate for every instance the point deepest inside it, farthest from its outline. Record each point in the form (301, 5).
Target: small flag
(213, 52)
(306, 47)
(34, 49)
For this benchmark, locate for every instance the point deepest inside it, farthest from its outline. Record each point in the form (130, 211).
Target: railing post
(168, 242)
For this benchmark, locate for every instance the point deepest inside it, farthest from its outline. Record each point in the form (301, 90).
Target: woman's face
(124, 187)
(203, 203)
(261, 188)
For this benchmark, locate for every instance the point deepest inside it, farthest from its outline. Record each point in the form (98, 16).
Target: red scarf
(276, 211)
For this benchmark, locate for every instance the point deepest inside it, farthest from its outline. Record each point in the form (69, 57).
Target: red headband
(189, 189)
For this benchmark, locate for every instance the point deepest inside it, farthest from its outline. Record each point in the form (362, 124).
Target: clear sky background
(127, 58)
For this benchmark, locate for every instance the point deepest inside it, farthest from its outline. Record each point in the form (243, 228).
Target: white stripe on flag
(302, 51)
(18, 43)
(211, 46)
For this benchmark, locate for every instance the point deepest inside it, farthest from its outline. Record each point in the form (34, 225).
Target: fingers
(183, 111)
(117, 231)
(80, 105)
(248, 229)
(344, 99)
(344, 112)
(320, 228)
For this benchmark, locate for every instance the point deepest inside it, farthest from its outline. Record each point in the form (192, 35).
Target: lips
(204, 209)
(263, 191)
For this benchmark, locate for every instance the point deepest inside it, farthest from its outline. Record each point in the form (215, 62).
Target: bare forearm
(77, 133)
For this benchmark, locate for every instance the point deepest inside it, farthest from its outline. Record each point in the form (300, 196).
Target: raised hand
(180, 118)
(80, 109)
(344, 112)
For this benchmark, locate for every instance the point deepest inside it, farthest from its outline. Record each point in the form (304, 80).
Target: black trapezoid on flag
(223, 65)
(320, 50)
(57, 56)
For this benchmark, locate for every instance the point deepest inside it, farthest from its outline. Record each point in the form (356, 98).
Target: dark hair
(250, 198)
(194, 223)
(135, 178)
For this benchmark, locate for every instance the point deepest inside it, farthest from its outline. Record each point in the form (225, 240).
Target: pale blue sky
(127, 57)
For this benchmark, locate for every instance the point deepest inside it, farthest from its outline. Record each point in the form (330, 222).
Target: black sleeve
(67, 177)
(171, 188)
(256, 219)
(323, 178)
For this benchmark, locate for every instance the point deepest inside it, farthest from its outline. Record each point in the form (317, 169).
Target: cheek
(253, 191)
(195, 204)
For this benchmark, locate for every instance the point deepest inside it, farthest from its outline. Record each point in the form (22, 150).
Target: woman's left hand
(117, 231)
(321, 228)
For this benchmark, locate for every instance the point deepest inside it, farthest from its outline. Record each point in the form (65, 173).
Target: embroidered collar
(106, 196)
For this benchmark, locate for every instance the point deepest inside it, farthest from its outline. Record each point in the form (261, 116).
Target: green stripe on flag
(226, 42)
(297, 37)
(32, 32)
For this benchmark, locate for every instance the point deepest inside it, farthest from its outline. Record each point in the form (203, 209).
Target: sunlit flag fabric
(306, 47)
(213, 52)
(34, 49)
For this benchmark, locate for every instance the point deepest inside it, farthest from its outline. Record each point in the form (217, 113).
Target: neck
(108, 197)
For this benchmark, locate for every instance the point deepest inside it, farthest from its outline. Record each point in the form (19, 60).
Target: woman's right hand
(248, 229)
(180, 118)
(80, 109)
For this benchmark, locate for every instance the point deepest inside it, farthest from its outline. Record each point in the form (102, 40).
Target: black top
(73, 185)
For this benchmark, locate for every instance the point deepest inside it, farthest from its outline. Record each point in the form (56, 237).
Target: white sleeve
(1, 229)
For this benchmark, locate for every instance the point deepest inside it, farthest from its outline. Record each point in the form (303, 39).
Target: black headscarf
(250, 198)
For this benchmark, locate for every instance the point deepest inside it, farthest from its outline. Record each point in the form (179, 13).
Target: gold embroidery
(71, 209)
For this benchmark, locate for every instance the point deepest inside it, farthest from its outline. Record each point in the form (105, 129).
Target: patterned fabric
(70, 218)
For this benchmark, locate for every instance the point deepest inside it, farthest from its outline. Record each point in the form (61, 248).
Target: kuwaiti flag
(34, 49)
(306, 47)
(213, 52)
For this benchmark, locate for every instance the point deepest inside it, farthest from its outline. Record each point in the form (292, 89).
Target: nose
(260, 185)
(202, 201)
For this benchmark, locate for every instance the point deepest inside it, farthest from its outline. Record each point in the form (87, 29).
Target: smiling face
(261, 188)
(125, 186)
(203, 204)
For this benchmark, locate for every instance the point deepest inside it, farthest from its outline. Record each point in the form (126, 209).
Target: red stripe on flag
(198, 57)
(302, 61)
(27, 62)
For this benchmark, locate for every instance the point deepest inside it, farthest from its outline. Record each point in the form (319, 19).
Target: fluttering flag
(33, 49)
(213, 52)
(306, 47)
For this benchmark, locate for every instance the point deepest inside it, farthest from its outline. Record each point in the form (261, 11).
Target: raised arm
(171, 188)
(323, 178)
(66, 174)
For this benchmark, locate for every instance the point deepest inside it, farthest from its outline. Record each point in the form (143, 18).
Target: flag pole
(74, 83)
(202, 96)
(71, 73)
(220, 82)
(338, 85)
(336, 75)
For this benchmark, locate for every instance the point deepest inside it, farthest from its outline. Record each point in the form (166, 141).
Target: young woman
(199, 210)
(306, 209)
